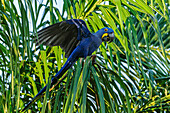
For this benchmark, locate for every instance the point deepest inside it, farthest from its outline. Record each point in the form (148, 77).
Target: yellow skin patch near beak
(105, 34)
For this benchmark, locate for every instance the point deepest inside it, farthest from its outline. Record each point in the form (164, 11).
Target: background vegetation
(131, 74)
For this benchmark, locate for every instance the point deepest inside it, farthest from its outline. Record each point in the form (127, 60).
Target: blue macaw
(75, 39)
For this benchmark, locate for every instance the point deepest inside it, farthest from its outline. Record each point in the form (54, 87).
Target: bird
(76, 41)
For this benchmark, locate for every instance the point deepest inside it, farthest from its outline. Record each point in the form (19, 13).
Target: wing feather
(71, 48)
(63, 34)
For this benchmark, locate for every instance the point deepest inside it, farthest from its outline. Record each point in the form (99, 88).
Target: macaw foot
(93, 59)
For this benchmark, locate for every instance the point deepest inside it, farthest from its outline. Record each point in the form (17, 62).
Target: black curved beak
(111, 36)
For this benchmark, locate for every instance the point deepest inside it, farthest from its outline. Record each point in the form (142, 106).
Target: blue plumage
(75, 39)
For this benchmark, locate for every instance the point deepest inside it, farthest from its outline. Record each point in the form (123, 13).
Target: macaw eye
(106, 30)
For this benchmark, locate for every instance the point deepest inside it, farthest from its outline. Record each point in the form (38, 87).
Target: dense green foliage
(131, 74)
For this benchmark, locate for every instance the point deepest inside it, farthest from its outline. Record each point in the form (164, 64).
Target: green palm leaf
(131, 74)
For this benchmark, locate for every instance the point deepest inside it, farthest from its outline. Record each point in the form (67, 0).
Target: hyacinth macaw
(75, 39)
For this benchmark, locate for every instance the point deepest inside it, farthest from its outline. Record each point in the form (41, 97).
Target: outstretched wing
(66, 34)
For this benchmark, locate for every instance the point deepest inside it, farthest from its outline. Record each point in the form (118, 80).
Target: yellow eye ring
(106, 30)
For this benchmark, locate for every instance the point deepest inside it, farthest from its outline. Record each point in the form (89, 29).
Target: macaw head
(107, 34)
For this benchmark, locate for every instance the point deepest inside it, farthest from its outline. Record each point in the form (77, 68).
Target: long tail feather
(35, 98)
(66, 66)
